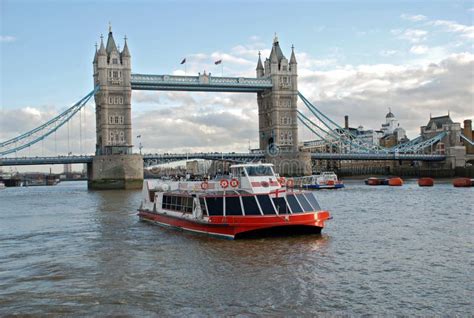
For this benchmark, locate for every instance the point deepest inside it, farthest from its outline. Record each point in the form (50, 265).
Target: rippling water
(389, 250)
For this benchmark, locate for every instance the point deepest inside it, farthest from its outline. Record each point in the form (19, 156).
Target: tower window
(114, 61)
(116, 119)
(121, 119)
(111, 120)
(115, 74)
(121, 100)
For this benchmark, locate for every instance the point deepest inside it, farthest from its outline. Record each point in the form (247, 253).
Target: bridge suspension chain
(37, 134)
(341, 134)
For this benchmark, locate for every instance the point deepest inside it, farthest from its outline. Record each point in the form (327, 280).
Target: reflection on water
(66, 250)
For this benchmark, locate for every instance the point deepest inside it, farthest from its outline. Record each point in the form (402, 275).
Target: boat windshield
(259, 171)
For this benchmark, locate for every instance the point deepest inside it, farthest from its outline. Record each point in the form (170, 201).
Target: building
(450, 144)
(112, 71)
(392, 133)
(67, 168)
(277, 108)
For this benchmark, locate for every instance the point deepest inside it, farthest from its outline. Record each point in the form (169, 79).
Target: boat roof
(242, 165)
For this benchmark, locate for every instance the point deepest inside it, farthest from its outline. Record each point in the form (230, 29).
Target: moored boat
(395, 182)
(2, 185)
(252, 201)
(325, 180)
(463, 182)
(426, 182)
(376, 181)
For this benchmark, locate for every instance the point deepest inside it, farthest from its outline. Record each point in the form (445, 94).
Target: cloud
(419, 49)
(414, 18)
(452, 26)
(7, 38)
(387, 53)
(366, 91)
(411, 35)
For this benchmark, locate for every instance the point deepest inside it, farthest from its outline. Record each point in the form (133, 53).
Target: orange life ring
(290, 183)
(224, 183)
(282, 181)
(234, 183)
(204, 185)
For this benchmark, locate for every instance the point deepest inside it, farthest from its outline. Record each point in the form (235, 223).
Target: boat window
(232, 206)
(304, 203)
(250, 205)
(295, 207)
(266, 204)
(259, 171)
(177, 203)
(151, 194)
(312, 199)
(203, 206)
(281, 205)
(187, 204)
(165, 202)
(215, 205)
(173, 202)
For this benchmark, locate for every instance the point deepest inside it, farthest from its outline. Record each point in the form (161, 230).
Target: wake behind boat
(253, 201)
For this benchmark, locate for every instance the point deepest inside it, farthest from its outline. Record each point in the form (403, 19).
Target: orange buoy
(462, 182)
(426, 182)
(395, 182)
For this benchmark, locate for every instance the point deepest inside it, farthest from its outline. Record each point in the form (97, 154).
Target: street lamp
(140, 143)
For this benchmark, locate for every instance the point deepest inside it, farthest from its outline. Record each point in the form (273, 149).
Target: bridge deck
(202, 83)
(240, 157)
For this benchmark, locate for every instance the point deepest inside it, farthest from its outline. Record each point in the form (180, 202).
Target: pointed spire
(292, 58)
(95, 54)
(259, 63)
(102, 48)
(275, 39)
(125, 51)
(273, 55)
(110, 42)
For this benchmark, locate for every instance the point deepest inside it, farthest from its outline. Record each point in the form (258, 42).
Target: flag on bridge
(218, 62)
(183, 61)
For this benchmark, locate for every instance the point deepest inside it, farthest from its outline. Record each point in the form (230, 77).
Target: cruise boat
(254, 201)
(325, 180)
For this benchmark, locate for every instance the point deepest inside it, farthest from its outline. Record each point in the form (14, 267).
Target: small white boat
(325, 180)
(2, 185)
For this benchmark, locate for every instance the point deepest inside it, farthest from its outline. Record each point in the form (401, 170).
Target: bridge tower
(114, 165)
(277, 112)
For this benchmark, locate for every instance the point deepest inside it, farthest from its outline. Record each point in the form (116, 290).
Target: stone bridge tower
(277, 113)
(114, 165)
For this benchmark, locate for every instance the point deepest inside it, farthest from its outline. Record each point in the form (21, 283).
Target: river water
(406, 250)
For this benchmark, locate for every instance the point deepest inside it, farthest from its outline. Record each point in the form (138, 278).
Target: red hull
(232, 226)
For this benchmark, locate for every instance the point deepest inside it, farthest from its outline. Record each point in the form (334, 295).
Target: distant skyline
(355, 58)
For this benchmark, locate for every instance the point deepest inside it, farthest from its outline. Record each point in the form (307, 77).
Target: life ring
(224, 183)
(282, 181)
(234, 183)
(204, 185)
(290, 183)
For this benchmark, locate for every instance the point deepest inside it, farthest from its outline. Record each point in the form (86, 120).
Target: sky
(355, 58)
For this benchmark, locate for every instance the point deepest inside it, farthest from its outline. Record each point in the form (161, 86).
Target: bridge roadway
(150, 159)
(201, 83)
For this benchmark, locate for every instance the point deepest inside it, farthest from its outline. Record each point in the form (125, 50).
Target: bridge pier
(115, 172)
(291, 164)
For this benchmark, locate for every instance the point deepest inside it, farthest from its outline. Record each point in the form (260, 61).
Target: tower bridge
(115, 166)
